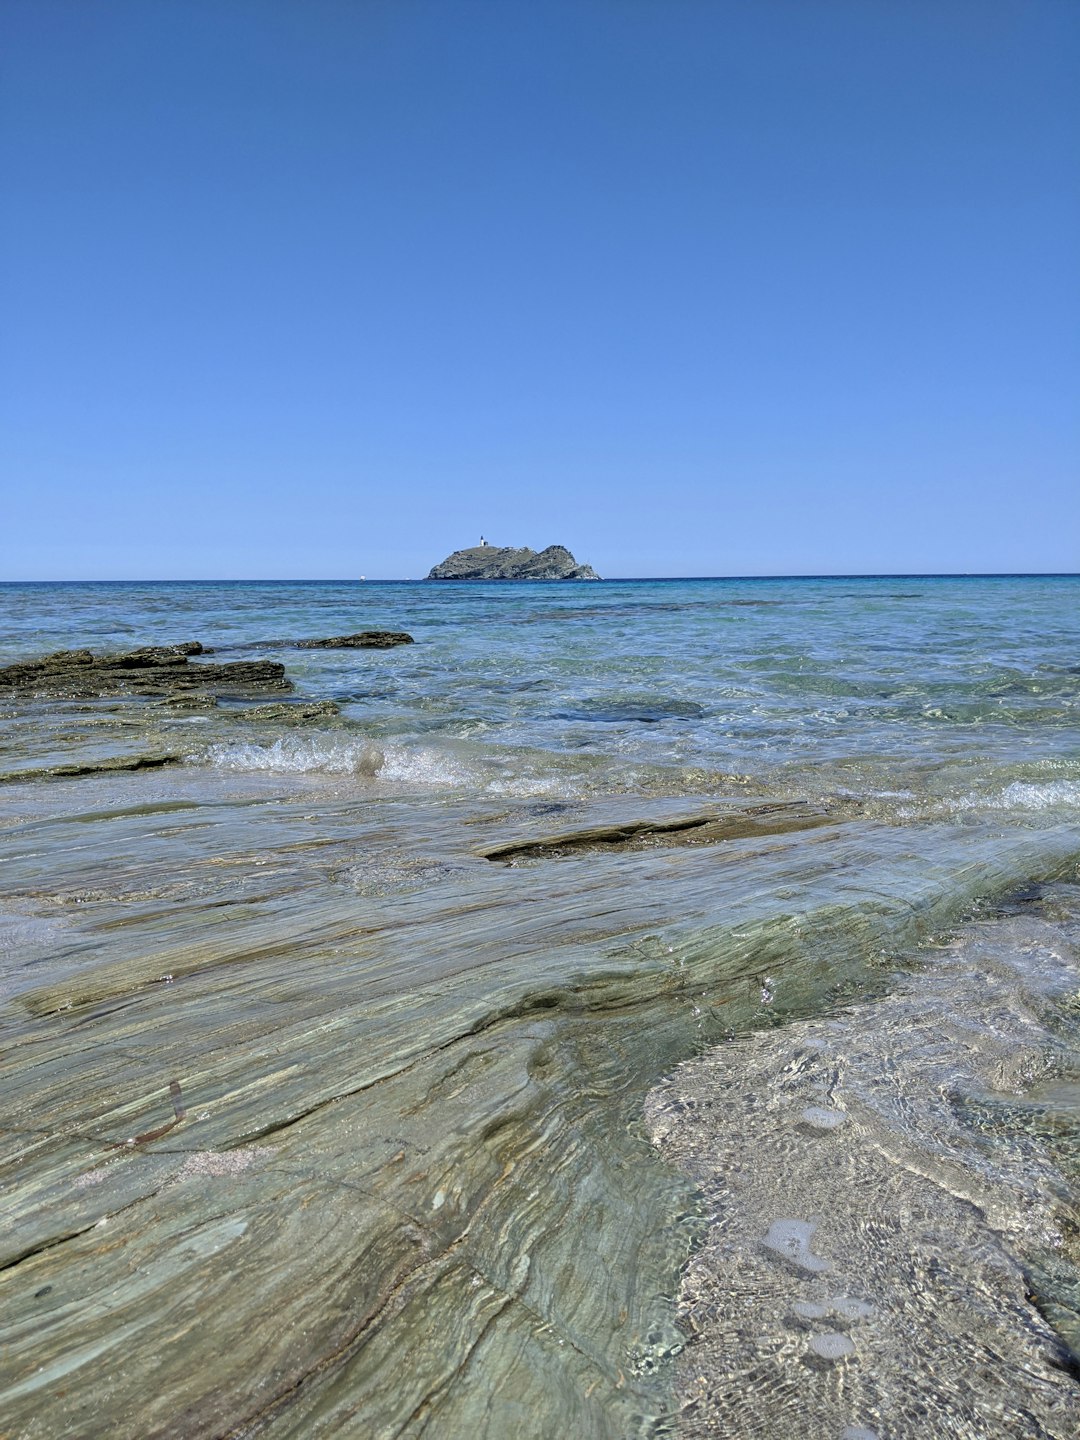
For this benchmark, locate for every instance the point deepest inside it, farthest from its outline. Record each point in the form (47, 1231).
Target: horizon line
(602, 580)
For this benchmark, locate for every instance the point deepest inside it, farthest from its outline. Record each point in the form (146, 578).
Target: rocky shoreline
(153, 671)
(165, 671)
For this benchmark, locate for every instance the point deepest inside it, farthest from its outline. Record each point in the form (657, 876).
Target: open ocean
(635, 1008)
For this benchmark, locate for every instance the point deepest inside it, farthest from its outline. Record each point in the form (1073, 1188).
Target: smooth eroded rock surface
(285, 1155)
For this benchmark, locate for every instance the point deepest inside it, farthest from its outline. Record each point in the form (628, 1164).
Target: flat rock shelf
(303, 1154)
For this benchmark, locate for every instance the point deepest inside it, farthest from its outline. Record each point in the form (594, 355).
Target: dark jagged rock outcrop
(163, 671)
(154, 670)
(503, 562)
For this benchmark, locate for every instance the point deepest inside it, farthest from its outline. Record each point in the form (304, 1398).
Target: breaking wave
(309, 755)
(378, 762)
(1025, 795)
(1059, 799)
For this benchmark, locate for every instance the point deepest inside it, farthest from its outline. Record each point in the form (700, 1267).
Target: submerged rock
(683, 827)
(649, 710)
(153, 670)
(504, 562)
(363, 640)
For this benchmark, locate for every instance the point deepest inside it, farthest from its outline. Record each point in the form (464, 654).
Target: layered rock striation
(153, 670)
(504, 562)
(164, 670)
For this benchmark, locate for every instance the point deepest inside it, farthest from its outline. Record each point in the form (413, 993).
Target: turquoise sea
(498, 994)
(920, 696)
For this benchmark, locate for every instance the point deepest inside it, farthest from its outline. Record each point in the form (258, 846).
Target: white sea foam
(1020, 797)
(322, 755)
(1051, 796)
(1025, 795)
(424, 766)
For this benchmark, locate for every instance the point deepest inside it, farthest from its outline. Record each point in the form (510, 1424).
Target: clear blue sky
(307, 288)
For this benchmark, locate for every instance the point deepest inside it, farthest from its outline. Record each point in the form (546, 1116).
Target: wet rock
(293, 712)
(188, 702)
(504, 562)
(108, 766)
(152, 670)
(61, 660)
(499, 1076)
(701, 827)
(363, 640)
(146, 658)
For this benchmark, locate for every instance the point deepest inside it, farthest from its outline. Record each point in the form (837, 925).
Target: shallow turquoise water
(925, 695)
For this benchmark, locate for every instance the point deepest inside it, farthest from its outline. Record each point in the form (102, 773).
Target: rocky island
(505, 562)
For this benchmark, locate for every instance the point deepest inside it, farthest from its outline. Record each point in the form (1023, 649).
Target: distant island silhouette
(505, 562)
